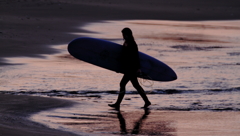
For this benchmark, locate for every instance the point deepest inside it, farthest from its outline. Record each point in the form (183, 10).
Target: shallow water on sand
(91, 116)
(204, 54)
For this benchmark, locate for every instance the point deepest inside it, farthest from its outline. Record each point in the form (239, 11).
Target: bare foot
(147, 104)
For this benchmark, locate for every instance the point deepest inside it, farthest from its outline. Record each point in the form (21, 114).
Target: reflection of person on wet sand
(137, 126)
(131, 67)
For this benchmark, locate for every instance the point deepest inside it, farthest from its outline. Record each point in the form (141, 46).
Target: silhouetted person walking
(131, 66)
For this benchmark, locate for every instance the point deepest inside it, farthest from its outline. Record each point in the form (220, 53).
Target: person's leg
(140, 90)
(121, 94)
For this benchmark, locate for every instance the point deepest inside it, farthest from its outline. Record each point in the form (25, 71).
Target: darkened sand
(92, 116)
(15, 109)
(28, 27)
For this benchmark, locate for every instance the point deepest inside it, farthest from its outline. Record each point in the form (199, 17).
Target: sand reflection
(141, 126)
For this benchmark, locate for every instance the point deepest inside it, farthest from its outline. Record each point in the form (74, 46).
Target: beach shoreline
(90, 115)
(15, 111)
(29, 28)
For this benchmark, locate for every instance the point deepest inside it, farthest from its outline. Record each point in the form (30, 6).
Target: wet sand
(28, 28)
(15, 110)
(91, 116)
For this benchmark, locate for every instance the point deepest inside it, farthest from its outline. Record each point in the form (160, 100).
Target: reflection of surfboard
(107, 55)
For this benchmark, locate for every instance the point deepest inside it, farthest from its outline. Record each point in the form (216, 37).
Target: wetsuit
(130, 65)
(130, 58)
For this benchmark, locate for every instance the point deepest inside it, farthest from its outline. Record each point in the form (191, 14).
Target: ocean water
(204, 54)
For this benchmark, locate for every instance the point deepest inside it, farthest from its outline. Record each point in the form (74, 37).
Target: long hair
(127, 31)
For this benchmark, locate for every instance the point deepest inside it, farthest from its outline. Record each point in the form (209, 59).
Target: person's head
(127, 34)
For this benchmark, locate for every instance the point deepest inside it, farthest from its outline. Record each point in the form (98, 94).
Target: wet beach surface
(204, 54)
(93, 117)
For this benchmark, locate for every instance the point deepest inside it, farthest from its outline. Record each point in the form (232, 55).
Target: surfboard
(106, 54)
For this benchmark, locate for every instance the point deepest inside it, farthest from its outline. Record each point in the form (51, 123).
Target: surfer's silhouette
(131, 66)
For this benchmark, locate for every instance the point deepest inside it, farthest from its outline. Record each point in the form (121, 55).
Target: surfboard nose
(170, 75)
(174, 77)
